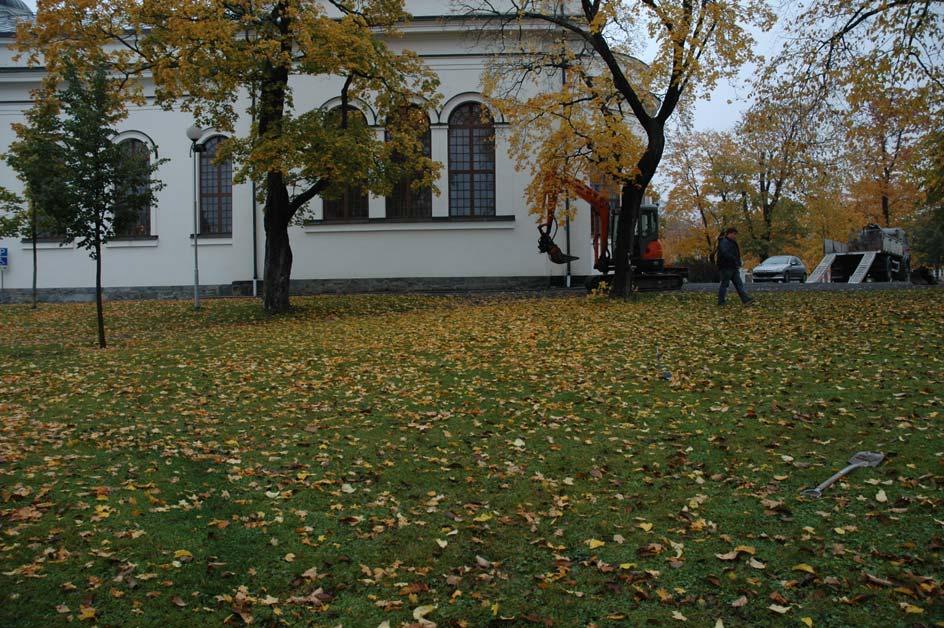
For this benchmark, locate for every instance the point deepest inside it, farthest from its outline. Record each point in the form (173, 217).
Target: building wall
(443, 248)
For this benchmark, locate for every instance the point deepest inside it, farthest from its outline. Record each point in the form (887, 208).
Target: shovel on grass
(860, 459)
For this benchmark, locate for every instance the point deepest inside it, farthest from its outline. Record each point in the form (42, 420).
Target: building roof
(11, 13)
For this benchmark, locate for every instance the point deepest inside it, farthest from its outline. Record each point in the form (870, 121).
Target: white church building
(475, 233)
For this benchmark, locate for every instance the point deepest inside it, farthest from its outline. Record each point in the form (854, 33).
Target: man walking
(729, 264)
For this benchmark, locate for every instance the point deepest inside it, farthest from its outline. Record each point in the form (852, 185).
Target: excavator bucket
(559, 257)
(554, 252)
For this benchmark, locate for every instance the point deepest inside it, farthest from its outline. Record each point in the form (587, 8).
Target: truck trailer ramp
(820, 271)
(863, 268)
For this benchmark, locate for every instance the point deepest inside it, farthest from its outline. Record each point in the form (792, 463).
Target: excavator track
(645, 282)
(658, 282)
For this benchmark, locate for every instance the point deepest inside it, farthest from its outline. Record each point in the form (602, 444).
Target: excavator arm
(599, 205)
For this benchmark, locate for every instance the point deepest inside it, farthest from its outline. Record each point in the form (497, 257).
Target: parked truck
(874, 254)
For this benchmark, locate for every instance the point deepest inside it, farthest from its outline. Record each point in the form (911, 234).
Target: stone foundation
(299, 287)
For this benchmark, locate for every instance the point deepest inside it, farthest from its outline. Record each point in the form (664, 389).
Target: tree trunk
(98, 293)
(709, 244)
(886, 210)
(278, 209)
(278, 251)
(630, 200)
(35, 260)
(764, 243)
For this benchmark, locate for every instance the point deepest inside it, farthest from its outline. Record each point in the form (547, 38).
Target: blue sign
(4, 260)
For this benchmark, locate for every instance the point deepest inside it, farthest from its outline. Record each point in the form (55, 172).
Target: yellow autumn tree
(884, 140)
(777, 141)
(881, 64)
(867, 44)
(222, 59)
(571, 79)
(708, 179)
(753, 177)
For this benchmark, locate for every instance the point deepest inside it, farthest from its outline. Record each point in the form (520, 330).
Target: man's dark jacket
(729, 254)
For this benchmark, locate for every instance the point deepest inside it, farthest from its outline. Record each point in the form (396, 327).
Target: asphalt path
(578, 290)
(811, 287)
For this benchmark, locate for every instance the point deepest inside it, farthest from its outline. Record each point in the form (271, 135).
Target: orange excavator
(649, 270)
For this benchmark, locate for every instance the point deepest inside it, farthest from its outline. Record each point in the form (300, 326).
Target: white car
(780, 268)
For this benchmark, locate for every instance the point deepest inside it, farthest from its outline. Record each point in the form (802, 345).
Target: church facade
(476, 232)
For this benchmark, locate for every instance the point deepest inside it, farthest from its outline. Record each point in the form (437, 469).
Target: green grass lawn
(474, 462)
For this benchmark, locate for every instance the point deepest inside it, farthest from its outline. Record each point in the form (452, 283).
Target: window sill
(436, 223)
(132, 242)
(45, 244)
(213, 239)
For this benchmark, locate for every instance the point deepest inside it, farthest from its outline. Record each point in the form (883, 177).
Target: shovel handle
(817, 492)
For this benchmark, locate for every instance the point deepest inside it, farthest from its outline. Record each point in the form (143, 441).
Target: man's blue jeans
(732, 275)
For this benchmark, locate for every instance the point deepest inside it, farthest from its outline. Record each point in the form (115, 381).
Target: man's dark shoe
(749, 303)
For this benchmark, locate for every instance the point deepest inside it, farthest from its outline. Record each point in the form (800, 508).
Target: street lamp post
(194, 133)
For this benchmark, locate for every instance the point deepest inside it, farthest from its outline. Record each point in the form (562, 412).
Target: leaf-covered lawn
(493, 462)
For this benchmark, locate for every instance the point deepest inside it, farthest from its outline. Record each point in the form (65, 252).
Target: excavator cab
(648, 253)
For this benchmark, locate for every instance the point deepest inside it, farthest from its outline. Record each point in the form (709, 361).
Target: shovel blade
(867, 458)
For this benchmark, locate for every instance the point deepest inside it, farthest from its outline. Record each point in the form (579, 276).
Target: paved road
(577, 290)
(811, 287)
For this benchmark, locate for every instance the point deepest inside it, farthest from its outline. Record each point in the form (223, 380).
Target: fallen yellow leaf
(733, 554)
(420, 612)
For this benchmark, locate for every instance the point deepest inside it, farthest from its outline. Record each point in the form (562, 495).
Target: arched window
(404, 201)
(471, 161)
(216, 191)
(133, 222)
(352, 202)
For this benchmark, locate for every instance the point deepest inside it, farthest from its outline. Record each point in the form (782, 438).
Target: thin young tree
(12, 215)
(37, 158)
(104, 185)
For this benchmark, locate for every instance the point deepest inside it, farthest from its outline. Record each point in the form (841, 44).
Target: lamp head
(194, 133)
